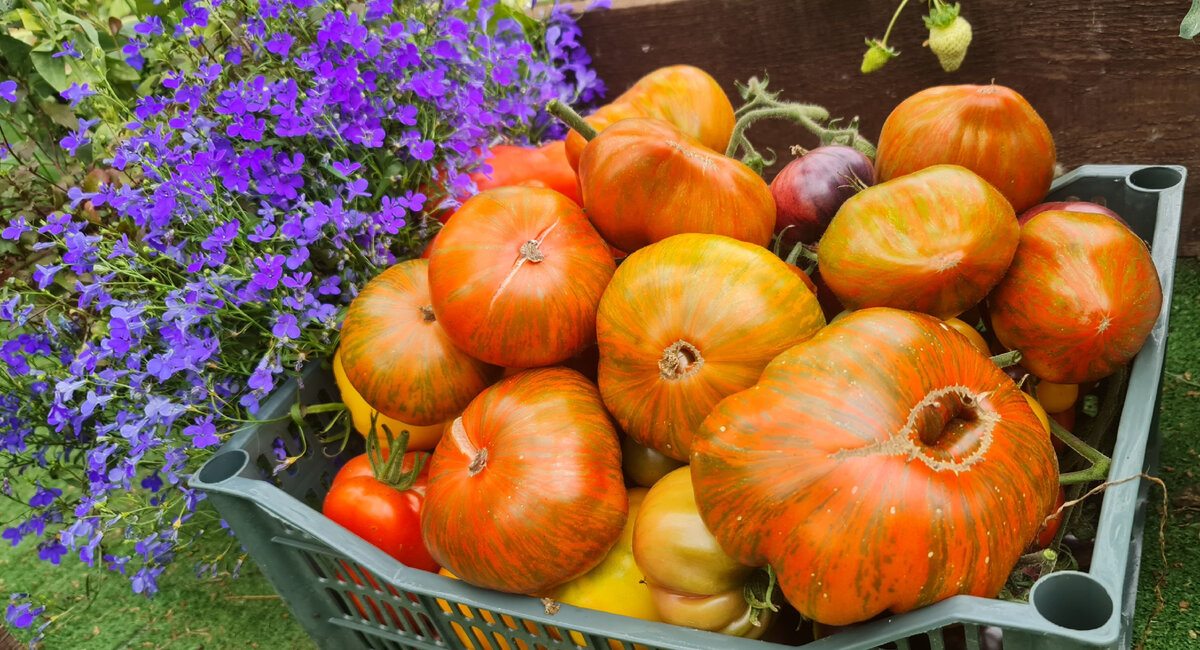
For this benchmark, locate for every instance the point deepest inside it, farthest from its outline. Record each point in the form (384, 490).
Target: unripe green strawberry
(949, 35)
(876, 55)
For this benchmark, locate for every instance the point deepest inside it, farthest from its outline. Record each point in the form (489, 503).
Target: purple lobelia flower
(261, 185)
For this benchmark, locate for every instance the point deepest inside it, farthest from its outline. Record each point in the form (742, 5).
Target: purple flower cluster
(271, 179)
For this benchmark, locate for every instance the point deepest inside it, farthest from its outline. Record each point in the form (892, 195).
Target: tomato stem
(762, 103)
(478, 462)
(568, 116)
(798, 251)
(759, 593)
(387, 465)
(1006, 359)
(1100, 462)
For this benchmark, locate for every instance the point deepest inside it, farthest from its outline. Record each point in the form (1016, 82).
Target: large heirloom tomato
(516, 276)
(934, 241)
(1080, 299)
(882, 465)
(991, 130)
(686, 322)
(644, 180)
(398, 356)
(683, 95)
(693, 581)
(525, 488)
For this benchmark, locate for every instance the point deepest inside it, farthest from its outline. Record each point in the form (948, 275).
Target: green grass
(187, 613)
(1177, 623)
(224, 612)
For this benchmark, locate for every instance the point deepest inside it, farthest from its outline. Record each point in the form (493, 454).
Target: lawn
(244, 612)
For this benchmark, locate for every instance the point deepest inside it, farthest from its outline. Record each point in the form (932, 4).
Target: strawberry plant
(949, 37)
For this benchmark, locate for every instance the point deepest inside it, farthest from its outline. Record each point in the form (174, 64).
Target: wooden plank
(1113, 80)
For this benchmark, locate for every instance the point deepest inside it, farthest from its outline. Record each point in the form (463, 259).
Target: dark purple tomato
(811, 188)
(1070, 206)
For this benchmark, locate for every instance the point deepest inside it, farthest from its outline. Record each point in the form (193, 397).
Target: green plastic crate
(348, 594)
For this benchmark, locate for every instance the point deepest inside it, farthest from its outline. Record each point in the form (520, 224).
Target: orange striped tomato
(882, 465)
(397, 355)
(615, 585)
(525, 489)
(643, 180)
(934, 241)
(970, 333)
(992, 130)
(683, 95)
(516, 275)
(687, 321)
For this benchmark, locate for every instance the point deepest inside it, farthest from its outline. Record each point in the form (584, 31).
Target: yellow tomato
(972, 334)
(615, 585)
(420, 438)
(1055, 398)
(694, 582)
(1038, 411)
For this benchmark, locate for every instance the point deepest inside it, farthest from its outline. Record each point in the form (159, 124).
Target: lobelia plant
(294, 149)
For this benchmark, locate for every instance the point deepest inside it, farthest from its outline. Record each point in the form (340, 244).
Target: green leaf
(88, 29)
(528, 24)
(46, 45)
(121, 71)
(53, 71)
(119, 9)
(1190, 26)
(30, 21)
(15, 54)
(60, 114)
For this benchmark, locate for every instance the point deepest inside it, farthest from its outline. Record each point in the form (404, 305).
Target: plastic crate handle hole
(223, 466)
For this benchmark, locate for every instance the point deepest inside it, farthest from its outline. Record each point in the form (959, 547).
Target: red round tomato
(1080, 299)
(544, 166)
(1052, 522)
(387, 517)
(1069, 206)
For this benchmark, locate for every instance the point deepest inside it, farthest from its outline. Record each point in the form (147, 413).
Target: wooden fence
(1113, 80)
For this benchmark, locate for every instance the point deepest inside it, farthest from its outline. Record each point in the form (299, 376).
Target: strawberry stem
(892, 24)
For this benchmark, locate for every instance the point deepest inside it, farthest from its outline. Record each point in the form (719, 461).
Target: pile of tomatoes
(632, 375)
